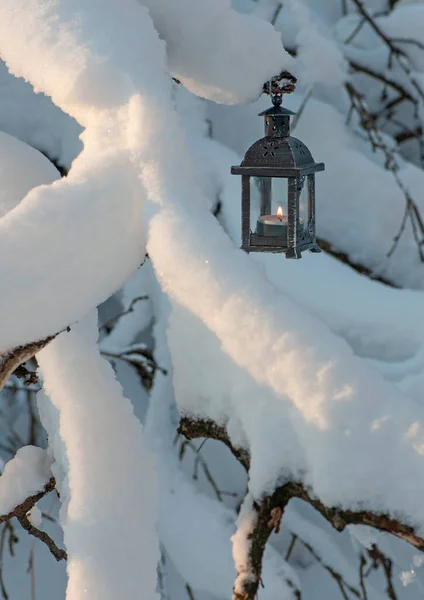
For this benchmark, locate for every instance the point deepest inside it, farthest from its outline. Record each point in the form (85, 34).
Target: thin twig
(377, 143)
(58, 553)
(362, 565)
(200, 460)
(386, 563)
(276, 13)
(190, 592)
(343, 585)
(110, 322)
(291, 547)
(2, 584)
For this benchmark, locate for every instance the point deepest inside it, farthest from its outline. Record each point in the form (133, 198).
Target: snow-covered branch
(25, 481)
(21, 513)
(265, 516)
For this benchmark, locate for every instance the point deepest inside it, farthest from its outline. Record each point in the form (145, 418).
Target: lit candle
(275, 225)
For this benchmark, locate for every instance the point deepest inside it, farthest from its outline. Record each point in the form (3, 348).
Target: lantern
(278, 189)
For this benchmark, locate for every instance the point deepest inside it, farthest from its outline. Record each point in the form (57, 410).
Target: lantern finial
(277, 118)
(277, 99)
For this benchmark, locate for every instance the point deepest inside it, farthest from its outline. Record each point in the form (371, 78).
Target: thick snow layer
(249, 51)
(319, 390)
(17, 158)
(24, 475)
(97, 211)
(136, 310)
(34, 119)
(73, 243)
(291, 389)
(109, 492)
(183, 511)
(316, 385)
(319, 60)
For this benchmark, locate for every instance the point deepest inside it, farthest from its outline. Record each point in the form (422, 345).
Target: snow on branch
(92, 221)
(265, 515)
(26, 479)
(104, 471)
(100, 81)
(250, 50)
(21, 512)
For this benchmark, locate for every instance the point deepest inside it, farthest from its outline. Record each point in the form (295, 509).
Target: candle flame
(280, 212)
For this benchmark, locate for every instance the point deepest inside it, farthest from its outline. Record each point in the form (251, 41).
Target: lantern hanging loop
(276, 97)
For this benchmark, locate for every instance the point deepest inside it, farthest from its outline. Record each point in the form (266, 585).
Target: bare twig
(379, 559)
(344, 258)
(110, 322)
(141, 359)
(189, 591)
(291, 547)
(33, 422)
(343, 585)
(362, 565)
(199, 460)
(276, 13)
(403, 93)
(58, 553)
(377, 142)
(374, 26)
(2, 583)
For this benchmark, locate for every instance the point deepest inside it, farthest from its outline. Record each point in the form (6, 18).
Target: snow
(138, 318)
(249, 53)
(100, 203)
(319, 60)
(34, 119)
(109, 491)
(97, 211)
(16, 158)
(183, 511)
(317, 370)
(241, 545)
(24, 475)
(321, 390)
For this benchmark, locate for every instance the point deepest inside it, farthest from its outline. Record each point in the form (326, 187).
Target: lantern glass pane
(304, 215)
(268, 196)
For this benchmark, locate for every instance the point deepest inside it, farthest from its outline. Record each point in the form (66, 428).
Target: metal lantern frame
(279, 155)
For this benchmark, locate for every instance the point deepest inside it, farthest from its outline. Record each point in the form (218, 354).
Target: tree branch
(21, 513)
(202, 428)
(271, 508)
(12, 359)
(58, 553)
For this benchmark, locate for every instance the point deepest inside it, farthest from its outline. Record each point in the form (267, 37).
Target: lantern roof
(277, 111)
(286, 156)
(278, 154)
